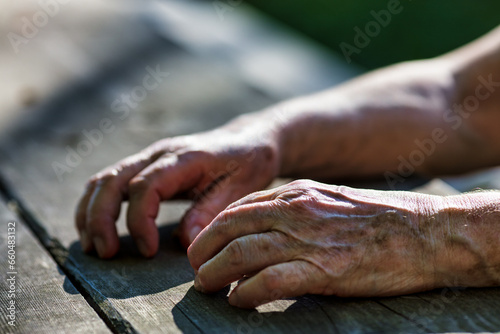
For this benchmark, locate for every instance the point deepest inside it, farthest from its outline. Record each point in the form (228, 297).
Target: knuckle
(95, 228)
(302, 203)
(198, 158)
(188, 154)
(301, 183)
(102, 179)
(139, 184)
(295, 189)
(106, 178)
(245, 199)
(271, 279)
(223, 220)
(164, 146)
(306, 203)
(235, 253)
(295, 183)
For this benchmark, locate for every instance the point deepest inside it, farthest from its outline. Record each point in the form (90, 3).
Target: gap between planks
(101, 305)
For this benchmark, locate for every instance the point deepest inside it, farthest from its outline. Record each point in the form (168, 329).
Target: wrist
(275, 127)
(468, 252)
(259, 132)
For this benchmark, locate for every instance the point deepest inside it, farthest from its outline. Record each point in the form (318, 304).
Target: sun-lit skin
(310, 237)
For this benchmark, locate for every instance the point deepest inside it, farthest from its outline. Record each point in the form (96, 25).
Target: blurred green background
(423, 28)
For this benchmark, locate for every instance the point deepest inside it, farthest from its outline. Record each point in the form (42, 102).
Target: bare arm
(447, 108)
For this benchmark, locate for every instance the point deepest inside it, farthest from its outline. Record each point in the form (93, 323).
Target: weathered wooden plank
(44, 300)
(473, 310)
(452, 309)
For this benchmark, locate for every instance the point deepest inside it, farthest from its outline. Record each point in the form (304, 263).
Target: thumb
(207, 208)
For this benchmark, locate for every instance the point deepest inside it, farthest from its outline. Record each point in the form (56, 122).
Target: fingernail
(197, 284)
(194, 232)
(99, 245)
(84, 240)
(143, 248)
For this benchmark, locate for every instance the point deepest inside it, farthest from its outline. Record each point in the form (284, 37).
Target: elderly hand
(308, 237)
(214, 168)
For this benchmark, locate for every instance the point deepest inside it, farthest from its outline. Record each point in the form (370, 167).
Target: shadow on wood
(213, 314)
(128, 274)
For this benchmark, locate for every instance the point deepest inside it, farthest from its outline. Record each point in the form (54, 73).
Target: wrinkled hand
(213, 168)
(308, 237)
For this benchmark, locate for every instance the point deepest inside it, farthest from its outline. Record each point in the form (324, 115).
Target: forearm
(427, 114)
(412, 117)
(370, 125)
(476, 70)
(358, 129)
(373, 125)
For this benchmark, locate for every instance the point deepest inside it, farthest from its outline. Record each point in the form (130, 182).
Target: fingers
(101, 216)
(227, 226)
(100, 205)
(160, 181)
(211, 204)
(81, 220)
(243, 256)
(284, 280)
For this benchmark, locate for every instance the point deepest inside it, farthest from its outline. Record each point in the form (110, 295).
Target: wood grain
(46, 302)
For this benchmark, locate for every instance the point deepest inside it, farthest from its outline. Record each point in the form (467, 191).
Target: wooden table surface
(62, 84)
